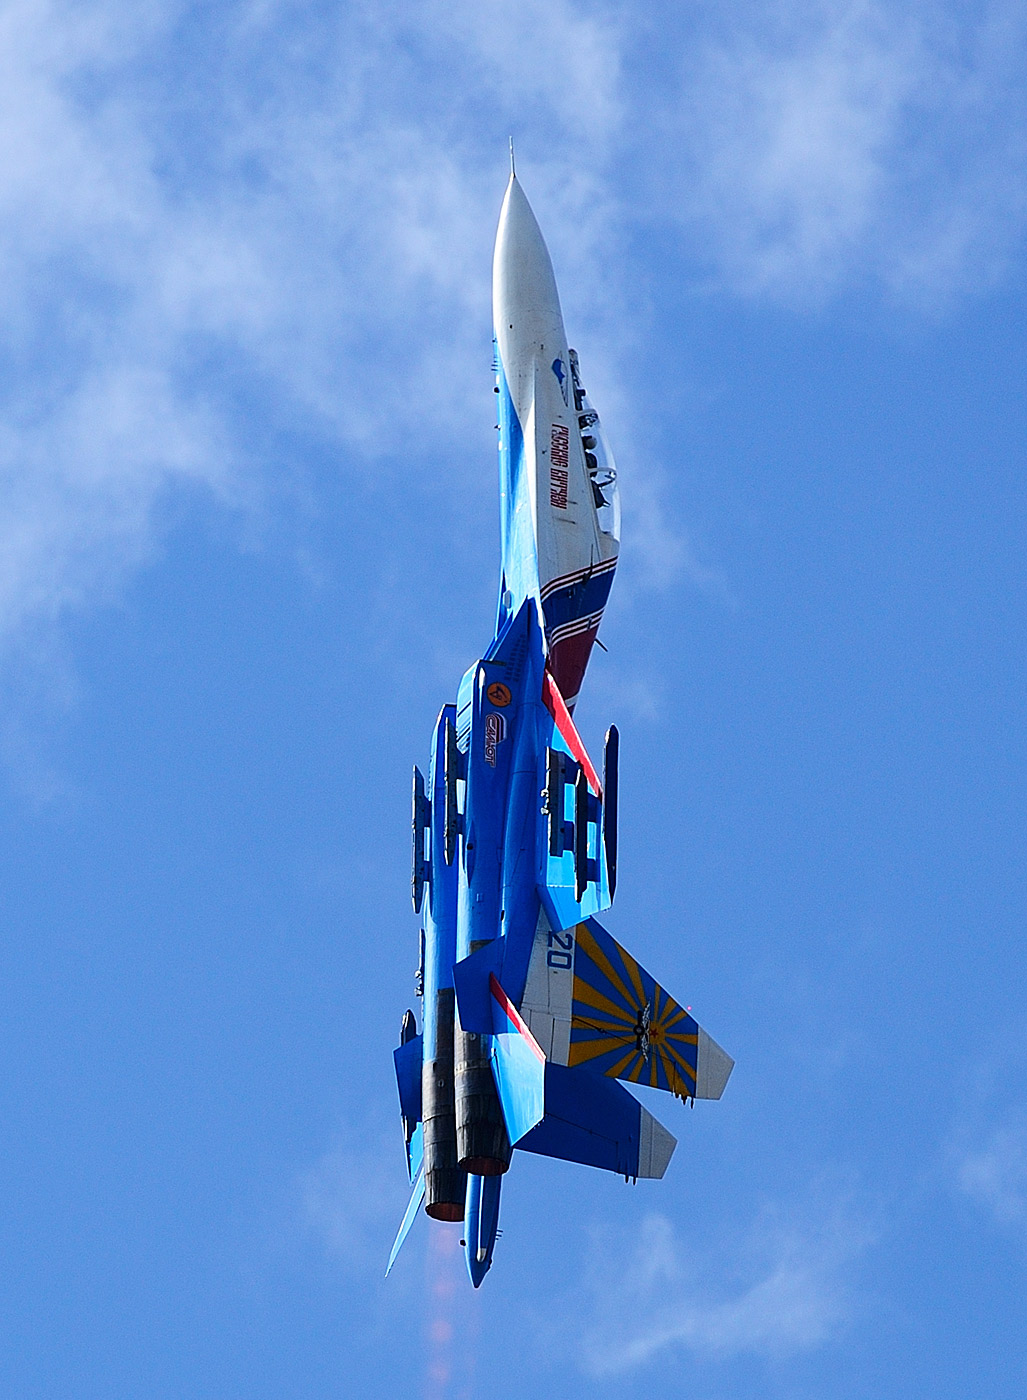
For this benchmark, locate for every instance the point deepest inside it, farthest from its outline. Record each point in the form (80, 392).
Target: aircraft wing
(574, 1114)
(590, 1014)
(589, 1003)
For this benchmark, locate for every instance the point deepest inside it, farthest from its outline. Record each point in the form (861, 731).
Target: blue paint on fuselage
(584, 596)
(518, 549)
(493, 890)
(507, 874)
(497, 888)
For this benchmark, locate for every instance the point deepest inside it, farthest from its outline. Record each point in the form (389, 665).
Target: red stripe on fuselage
(557, 707)
(515, 1016)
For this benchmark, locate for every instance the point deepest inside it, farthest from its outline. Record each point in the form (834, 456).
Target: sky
(248, 545)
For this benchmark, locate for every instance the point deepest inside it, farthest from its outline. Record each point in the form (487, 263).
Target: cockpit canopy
(602, 470)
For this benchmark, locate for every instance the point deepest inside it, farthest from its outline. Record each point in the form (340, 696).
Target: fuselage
(535, 1017)
(555, 548)
(494, 875)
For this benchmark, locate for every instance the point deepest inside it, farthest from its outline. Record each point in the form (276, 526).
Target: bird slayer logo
(495, 733)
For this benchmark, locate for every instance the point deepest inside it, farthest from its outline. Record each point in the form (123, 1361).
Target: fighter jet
(533, 1014)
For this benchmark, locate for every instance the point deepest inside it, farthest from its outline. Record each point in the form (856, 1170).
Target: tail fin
(589, 1003)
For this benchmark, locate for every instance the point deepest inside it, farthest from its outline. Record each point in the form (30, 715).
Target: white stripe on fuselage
(565, 580)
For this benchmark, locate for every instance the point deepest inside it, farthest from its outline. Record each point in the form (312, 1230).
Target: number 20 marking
(561, 956)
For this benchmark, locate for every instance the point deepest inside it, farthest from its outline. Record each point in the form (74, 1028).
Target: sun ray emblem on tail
(624, 1024)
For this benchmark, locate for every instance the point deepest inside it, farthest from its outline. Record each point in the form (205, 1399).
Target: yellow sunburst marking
(660, 1030)
(667, 1042)
(582, 1054)
(633, 973)
(636, 1073)
(678, 1056)
(678, 1085)
(603, 1028)
(677, 1060)
(585, 1050)
(592, 948)
(590, 997)
(615, 1071)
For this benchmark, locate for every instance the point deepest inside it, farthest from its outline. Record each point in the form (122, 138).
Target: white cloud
(847, 139)
(283, 223)
(352, 1206)
(994, 1172)
(221, 229)
(784, 1293)
(564, 59)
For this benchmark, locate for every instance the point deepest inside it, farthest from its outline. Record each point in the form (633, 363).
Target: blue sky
(248, 544)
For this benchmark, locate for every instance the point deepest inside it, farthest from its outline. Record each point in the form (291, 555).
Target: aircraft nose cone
(522, 271)
(525, 302)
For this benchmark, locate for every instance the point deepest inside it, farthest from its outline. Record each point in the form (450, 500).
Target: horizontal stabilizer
(590, 1004)
(595, 1121)
(415, 1152)
(420, 865)
(573, 1114)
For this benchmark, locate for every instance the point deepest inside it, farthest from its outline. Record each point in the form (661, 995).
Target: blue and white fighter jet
(532, 1012)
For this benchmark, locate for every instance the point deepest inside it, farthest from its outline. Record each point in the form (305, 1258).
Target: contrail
(451, 1348)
